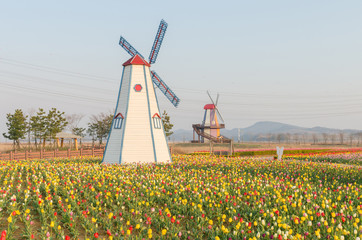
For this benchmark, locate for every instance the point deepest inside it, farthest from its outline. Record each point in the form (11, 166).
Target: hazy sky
(297, 62)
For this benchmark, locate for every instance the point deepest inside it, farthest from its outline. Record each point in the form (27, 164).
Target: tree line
(42, 126)
(340, 138)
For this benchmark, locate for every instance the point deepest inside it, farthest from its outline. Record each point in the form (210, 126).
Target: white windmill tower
(137, 134)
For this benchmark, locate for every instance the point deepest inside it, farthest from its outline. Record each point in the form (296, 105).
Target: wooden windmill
(209, 129)
(137, 134)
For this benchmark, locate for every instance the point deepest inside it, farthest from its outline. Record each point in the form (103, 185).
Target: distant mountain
(260, 131)
(271, 127)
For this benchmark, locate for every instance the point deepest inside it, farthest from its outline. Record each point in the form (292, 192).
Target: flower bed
(195, 197)
(287, 151)
(351, 158)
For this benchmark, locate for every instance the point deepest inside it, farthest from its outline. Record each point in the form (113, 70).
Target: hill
(265, 130)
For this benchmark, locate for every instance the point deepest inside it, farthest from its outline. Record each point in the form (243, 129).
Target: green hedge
(265, 152)
(274, 152)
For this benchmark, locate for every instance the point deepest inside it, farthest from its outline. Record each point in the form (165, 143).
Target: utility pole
(239, 133)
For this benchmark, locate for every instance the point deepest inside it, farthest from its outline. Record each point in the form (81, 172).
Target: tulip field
(195, 197)
(350, 158)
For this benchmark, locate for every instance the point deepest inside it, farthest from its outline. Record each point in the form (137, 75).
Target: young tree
(315, 138)
(92, 132)
(288, 136)
(325, 137)
(359, 138)
(167, 125)
(351, 137)
(55, 123)
(333, 137)
(46, 126)
(31, 113)
(37, 126)
(99, 126)
(296, 138)
(17, 126)
(341, 137)
(80, 132)
(73, 120)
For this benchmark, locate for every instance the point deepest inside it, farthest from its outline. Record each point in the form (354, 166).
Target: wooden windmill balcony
(199, 130)
(220, 126)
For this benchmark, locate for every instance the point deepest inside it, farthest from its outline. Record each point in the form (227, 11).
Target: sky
(296, 62)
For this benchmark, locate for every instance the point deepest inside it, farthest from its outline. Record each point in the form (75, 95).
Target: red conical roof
(209, 106)
(136, 60)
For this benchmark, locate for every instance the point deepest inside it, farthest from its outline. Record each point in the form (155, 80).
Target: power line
(112, 80)
(51, 82)
(109, 101)
(94, 91)
(56, 70)
(97, 100)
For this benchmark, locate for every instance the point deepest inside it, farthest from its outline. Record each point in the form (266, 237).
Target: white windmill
(137, 134)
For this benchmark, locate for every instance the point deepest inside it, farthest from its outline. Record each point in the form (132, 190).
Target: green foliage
(37, 125)
(55, 122)
(46, 126)
(273, 152)
(17, 126)
(339, 158)
(79, 131)
(264, 152)
(99, 127)
(167, 125)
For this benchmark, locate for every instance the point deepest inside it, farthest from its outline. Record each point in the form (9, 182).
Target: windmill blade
(220, 115)
(158, 41)
(215, 104)
(165, 89)
(128, 47)
(210, 98)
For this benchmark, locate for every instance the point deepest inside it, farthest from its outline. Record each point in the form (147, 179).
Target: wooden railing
(198, 129)
(13, 155)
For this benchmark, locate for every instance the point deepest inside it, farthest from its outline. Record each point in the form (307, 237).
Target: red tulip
(3, 235)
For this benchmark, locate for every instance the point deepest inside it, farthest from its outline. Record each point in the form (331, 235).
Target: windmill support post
(76, 144)
(231, 147)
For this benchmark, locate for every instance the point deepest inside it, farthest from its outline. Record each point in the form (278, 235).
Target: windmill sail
(158, 41)
(165, 89)
(128, 47)
(215, 104)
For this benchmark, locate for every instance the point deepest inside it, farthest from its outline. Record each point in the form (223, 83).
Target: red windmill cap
(209, 106)
(136, 60)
